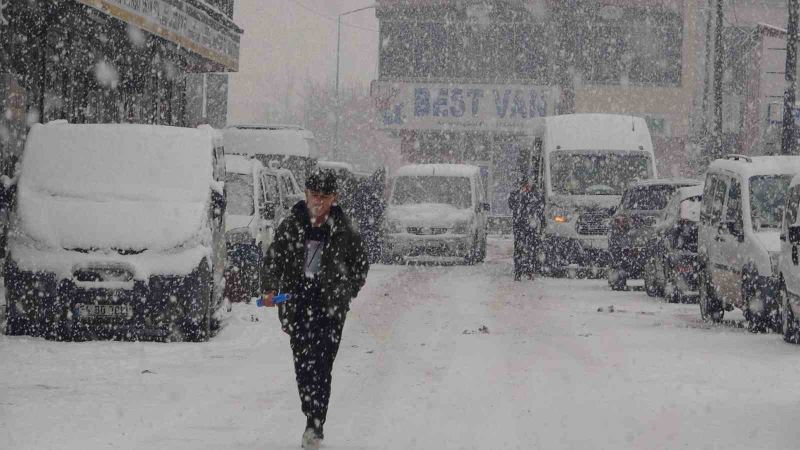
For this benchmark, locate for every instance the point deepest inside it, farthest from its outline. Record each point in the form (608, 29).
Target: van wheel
(789, 325)
(650, 283)
(473, 254)
(756, 310)
(16, 324)
(196, 327)
(617, 279)
(710, 306)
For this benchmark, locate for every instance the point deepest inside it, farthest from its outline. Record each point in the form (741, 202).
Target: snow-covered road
(432, 357)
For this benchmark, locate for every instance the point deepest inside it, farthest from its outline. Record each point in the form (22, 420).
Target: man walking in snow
(319, 259)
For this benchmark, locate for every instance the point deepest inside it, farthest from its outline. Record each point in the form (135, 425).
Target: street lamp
(338, 45)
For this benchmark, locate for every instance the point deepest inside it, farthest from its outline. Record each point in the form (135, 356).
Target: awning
(181, 23)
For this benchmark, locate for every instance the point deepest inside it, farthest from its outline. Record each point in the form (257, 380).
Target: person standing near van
(320, 260)
(523, 204)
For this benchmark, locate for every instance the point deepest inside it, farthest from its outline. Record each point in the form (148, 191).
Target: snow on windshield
(767, 199)
(454, 191)
(123, 162)
(239, 192)
(596, 173)
(648, 198)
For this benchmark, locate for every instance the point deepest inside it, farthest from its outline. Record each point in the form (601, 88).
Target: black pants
(315, 334)
(525, 246)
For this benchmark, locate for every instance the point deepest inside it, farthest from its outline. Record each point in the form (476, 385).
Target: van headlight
(560, 215)
(461, 228)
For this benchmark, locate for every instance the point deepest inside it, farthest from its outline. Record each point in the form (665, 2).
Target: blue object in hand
(276, 299)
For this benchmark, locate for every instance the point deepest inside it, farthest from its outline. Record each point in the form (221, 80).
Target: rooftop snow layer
(439, 170)
(690, 191)
(759, 165)
(598, 132)
(241, 164)
(252, 141)
(119, 162)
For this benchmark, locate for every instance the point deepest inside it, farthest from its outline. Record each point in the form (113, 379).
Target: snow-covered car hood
(771, 240)
(586, 201)
(427, 215)
(233, 222)
(78, 223)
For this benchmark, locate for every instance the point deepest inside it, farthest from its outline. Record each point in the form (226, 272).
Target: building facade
(463, 80)
(111, 61)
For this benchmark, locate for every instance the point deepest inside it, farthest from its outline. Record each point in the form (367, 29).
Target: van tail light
(622, 223)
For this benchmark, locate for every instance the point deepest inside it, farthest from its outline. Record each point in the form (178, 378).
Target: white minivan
(580, 164)
(738, 237)
(436, 213)
(254, 209)
(789, 265)
(117, 231)
(291, 147)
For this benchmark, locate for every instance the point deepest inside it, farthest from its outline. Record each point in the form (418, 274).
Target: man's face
(319, 204)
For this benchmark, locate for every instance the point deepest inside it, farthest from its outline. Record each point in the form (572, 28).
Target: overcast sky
(287, 42)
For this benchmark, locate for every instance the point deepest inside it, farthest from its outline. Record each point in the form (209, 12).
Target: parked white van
(789, 265)
(738, 237)
(436, 212)
(581, 164)
(117, 230)
(292, 147)
(254, 209)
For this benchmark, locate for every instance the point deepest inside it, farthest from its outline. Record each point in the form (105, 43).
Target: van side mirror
(794, 234)
(267, 211)
(217, 204)
(8, 194)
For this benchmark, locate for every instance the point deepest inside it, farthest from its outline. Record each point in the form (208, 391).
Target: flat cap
(322, 180)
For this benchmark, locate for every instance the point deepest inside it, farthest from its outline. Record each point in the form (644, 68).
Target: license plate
(103, 311)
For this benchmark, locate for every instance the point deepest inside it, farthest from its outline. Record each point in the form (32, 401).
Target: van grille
(593, 222)
(426, 230)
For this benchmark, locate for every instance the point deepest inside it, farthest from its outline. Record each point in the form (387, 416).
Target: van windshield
(596, 172)
(767, 197)
(239, 194)
(300, 166)
(454, 191)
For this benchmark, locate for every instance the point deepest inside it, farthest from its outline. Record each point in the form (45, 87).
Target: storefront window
(641, 46)
(426, 49)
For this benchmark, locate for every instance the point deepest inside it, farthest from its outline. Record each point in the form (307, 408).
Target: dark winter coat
(344, 263)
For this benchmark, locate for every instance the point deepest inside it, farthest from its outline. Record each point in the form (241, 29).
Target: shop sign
(428, 106)
(178, 22)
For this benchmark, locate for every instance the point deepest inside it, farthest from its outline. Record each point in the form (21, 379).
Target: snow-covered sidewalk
(432, 357)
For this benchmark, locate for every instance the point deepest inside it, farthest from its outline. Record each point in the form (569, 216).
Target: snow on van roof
(749, 166)
(667, 182)
(123, 161)
(597, 132)
(690, 191)
(123, 186)
(335, 165)
(241, 164)
(252, 140)
(439, 170)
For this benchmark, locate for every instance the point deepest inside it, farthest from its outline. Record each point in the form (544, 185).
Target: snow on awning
(181, 23)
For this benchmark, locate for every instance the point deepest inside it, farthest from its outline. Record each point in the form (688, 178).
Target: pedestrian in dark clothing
(320, 260)
(524, 215)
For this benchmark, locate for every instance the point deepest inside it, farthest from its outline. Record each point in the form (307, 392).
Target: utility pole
(338, 46)
(789, 139)
(719, 51)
